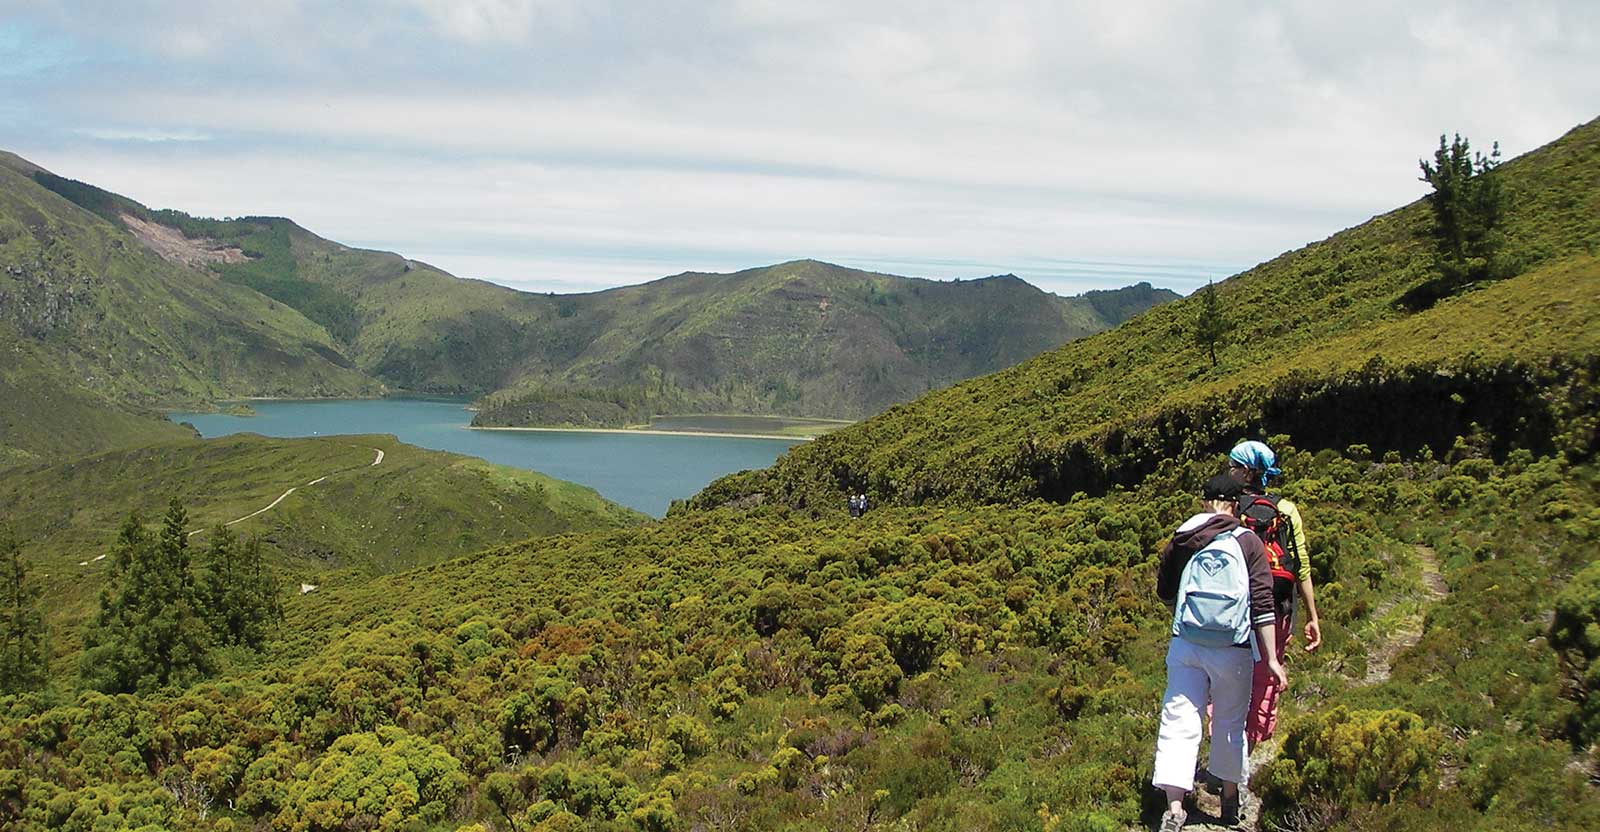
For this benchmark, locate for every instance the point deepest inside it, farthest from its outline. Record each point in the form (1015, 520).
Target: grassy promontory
(710, 424)
(796, 339)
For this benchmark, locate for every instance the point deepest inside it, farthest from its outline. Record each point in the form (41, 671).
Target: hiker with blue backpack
(1215, 575)
(1277, 522)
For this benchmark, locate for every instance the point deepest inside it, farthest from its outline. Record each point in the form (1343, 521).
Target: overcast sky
(569, 146)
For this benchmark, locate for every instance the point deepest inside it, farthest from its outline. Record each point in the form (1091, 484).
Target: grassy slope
(1044, 609)
(44, 415)
(1124, 399)
(417, 507)
(106, 325)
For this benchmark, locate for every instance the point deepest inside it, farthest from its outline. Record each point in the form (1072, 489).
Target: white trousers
(1196, 675)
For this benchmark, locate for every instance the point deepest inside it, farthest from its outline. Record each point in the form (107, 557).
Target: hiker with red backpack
(1277, 522)
(1215, 575)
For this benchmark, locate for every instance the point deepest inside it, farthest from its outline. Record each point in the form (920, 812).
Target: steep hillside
(1317, 349)
(345, 514)
(107, 325)
(46, 414)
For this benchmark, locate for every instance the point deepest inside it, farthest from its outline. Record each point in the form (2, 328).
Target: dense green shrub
(383, 780)
(1341, 758)
(1575, 631)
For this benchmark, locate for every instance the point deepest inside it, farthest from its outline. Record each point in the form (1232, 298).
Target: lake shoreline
(645, 472)
(649, 432)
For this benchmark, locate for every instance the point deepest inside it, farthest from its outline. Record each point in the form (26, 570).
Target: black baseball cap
(1222, 487)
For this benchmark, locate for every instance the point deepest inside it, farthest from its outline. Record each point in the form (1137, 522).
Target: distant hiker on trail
(1277, 522)
(862, 499)
(855, 506)
(1214, 572)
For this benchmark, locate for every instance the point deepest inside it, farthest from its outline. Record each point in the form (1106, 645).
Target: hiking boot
(1230, 809)
(1172, 822)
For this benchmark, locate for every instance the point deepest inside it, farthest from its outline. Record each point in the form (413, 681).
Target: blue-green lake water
(645, 471)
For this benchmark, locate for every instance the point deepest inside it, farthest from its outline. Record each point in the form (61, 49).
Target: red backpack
(1259, 513)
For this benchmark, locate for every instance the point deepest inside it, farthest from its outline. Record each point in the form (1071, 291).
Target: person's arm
(1308, 599)
(1305, 586)
(1167, 574)
(1267, 644)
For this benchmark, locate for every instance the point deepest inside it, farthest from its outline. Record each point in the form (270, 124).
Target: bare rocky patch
(172, 246)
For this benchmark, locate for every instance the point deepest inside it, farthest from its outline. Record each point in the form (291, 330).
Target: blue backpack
(1213, 606)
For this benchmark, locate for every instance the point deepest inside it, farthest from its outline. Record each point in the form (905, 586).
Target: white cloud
(139, 134)
(499, 20)
(587, 140)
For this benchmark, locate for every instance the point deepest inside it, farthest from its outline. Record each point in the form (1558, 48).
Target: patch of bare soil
(173, 247)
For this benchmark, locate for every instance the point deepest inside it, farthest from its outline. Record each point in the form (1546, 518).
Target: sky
(577, 145)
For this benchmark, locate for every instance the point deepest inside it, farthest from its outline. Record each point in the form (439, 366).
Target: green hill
(801, 339)
(45, 415)
(1317, 349)
(347, 519)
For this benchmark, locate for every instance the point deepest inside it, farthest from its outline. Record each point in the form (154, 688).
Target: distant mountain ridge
(804, 338)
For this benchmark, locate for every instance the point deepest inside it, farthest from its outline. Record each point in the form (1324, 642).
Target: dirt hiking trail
(281, 497)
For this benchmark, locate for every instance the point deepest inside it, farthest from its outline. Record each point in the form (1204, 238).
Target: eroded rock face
(39, 297)
(171, 245)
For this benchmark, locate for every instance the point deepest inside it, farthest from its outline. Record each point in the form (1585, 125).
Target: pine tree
(216, 577)
(150, 631)
(1469, 207)
(1210, 326)
(24, 654)
(261, 592)
(237, 590)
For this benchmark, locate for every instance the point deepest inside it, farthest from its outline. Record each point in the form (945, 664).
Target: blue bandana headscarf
(1257, 457)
